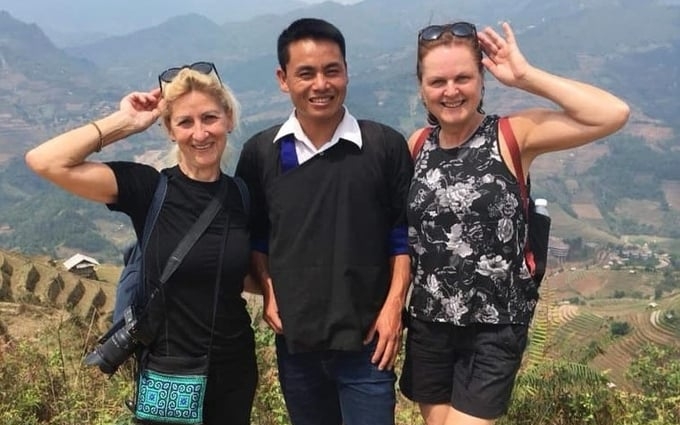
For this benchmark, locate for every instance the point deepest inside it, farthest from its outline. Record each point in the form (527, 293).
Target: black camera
(116, 346)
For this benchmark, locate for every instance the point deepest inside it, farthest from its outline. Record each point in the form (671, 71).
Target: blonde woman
(198, 112)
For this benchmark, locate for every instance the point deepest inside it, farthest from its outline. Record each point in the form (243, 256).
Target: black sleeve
(249, 168)
(136, 186)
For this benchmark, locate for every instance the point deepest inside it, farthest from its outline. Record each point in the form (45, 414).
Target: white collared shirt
(348, 129)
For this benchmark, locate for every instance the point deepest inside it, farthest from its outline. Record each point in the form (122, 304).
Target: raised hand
(142, 108)
(503, 57)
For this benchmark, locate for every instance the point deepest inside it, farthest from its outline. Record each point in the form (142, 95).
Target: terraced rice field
(566, 313)
(622, 350)
(572, 336)
(580, 325)
(578, 332)
(667, 317)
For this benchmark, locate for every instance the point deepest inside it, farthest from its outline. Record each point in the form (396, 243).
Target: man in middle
(329, 238)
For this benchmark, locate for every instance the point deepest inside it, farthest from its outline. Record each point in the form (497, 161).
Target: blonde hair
(187, 81)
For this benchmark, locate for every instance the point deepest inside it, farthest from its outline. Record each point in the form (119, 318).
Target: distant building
(558, 249)
(637, 252)
(82, 265)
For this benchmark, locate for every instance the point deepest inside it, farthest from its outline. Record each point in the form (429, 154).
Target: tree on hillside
(619, 328)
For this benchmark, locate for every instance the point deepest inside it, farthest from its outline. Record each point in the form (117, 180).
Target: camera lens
(113, 352)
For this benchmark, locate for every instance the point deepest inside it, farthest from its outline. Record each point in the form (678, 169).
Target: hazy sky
(337, 1)
(53, 17)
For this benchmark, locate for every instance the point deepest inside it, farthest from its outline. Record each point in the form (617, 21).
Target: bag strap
(418, 146)
(218, 278)
(195, 232)
(511, 142)
(192, 236)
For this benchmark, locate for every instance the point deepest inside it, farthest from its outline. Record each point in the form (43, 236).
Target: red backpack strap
(424, 134)
(511, 142)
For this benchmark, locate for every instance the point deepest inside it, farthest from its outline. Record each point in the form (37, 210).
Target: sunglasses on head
(458, 29)
(169, 74)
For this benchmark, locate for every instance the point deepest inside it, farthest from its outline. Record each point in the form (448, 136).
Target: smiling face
(451, 83)
(315, 77)
(199, 125)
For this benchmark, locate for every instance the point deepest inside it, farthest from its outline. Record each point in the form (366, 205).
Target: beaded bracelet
(100, 144)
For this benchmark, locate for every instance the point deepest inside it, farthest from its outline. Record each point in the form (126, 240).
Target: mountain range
(628, 46)
(79, 21)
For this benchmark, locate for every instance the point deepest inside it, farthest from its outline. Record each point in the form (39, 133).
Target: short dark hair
(308, 28)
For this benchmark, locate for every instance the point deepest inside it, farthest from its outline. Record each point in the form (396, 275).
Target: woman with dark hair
(203, 315)
(473, 295)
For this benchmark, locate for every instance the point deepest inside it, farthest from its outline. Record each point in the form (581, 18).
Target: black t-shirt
(187, 299)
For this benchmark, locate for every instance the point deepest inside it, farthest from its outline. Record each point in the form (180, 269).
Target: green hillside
(611, 355)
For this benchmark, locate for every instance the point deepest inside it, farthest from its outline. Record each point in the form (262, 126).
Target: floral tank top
(467, 233)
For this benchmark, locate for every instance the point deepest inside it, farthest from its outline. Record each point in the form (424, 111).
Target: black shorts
(473, 368)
